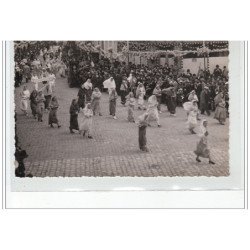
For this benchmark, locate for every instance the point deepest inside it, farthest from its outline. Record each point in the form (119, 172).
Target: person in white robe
(152, 110)
(140, 93)
(25, 95)
(109, 84)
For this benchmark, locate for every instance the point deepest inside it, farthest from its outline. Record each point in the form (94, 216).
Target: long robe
(96, 97)
(112, 103)
(81, 98)
(24, 100)
(131, 107)
(40, 106)
(33, 102)
(202, 148)
(74, 109)
(220, 111)
(53, 112)
(87, 121)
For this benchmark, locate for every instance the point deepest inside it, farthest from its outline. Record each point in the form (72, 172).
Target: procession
(121, 103)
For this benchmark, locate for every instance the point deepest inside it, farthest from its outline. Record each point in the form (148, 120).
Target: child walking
(142, 132)
(53, 112)
(74, 110)
(192, 111)
(202, 146)
(112, 102)
(131, 107)
(96, 97)
(86, 125)
(40, 105)
(140, 93)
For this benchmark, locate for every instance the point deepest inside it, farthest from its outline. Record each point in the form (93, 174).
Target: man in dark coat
(204, 101)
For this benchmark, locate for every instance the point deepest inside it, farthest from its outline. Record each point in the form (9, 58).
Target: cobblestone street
(114, 150)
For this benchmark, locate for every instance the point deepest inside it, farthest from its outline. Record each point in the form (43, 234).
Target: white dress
(24, 100)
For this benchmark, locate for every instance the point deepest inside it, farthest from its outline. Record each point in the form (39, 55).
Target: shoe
(115, 117)
(197, 159)
(59, 126)
(159, 126)
(211, 162)
(71, 131)
(90, 137)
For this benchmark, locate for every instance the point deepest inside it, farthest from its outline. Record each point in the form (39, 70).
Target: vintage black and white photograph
(121, 108)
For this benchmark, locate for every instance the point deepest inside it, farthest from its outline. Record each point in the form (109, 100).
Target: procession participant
(74, 110)
(140, 93)
(88, 90)
(109, 84)
(25, 95)
(171, 100)
(34, 81)
(40, 105)
(81, 97)
(85, 127)
(132, 82)
(192, 96)
(131, 107)
(53, 112)
(157, 93)
(52, 79)
(204, 100)
(220, 111)
(112, 103)
(152, 110)
(192, 115)
(33, 103)
(202, 149)
(48, 91)
(44, 76)
(124, 90)
(96, 97)
(143, 123)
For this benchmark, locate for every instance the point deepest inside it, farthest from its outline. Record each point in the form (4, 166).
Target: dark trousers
(123, 96)
(205, 109)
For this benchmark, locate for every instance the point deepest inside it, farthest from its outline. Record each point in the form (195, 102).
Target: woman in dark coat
(53, 112)
(33, 103)
(74, 110)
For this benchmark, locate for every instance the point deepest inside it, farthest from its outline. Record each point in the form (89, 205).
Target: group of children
(41, 100)
(39, 103)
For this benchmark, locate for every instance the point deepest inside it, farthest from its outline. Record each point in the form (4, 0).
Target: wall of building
(194, 63)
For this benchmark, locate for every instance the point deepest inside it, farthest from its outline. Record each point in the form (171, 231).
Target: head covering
(87, 84)
(203, 129)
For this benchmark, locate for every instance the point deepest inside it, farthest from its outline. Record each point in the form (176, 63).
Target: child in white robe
(85, 127)
(152, 110)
